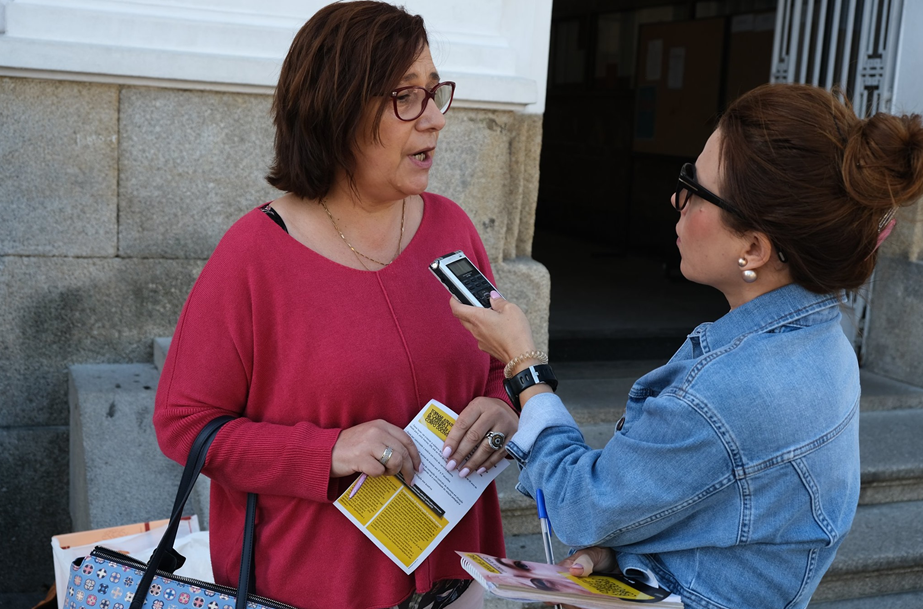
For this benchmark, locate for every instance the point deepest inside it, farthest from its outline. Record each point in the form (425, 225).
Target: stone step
(909, 600)
(161, 346)
(111, 407)
(881, 556)
(890, 428)
(882, 393)
(891, 452)
(596, 392)
(879, 565)
(891, 456)
(110, 424)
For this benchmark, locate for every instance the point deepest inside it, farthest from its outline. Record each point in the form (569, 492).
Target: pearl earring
(749, 276)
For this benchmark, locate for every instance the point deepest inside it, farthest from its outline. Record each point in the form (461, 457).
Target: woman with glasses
(317, 321)
(733, 477)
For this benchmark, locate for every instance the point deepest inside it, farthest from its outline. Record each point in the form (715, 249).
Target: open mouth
(423, 155)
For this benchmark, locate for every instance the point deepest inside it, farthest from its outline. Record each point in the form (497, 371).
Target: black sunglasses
(686, 186)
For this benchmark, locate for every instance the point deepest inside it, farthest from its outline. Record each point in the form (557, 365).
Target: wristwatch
(532, 375)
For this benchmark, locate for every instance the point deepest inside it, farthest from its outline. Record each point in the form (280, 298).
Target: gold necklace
(357, 252)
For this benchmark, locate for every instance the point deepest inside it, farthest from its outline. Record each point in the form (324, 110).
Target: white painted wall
(496, 50)
(908, 84)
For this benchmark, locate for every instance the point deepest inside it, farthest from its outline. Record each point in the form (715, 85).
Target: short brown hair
(805, 170)
(344, 56)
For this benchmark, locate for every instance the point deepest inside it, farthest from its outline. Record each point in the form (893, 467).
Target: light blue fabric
(736, 474)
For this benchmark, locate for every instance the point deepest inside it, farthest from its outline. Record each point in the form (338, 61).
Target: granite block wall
(894, 340)
(111, 199)
(58, 168)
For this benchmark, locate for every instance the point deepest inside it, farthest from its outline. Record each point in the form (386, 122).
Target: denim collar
(786, 305)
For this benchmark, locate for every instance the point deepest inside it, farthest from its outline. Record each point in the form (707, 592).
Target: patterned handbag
(109, 580)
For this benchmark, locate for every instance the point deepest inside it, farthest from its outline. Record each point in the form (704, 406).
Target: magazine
(407, 521)
(525, 581)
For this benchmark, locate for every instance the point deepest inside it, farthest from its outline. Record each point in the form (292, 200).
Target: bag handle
(165, 558)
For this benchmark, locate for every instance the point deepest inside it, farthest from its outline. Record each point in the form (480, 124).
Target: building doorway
(634, 90)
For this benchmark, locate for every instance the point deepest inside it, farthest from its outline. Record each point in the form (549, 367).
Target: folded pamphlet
(525, 581)
(408, 522)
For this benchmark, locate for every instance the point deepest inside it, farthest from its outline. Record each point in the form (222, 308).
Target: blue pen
(546, 526)
(546, 529)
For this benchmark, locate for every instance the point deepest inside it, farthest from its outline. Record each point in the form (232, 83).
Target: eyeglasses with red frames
(410, 102)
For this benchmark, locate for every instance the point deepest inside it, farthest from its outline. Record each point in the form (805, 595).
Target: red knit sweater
(301, 347)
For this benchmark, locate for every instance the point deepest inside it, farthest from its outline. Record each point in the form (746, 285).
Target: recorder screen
(461, 267)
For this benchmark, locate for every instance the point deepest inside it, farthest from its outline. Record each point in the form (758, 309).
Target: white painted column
(908, 86)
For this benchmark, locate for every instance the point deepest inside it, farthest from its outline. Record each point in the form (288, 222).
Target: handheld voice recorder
(463, 279)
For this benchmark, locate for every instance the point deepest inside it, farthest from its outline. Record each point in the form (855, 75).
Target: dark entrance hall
(634, 90)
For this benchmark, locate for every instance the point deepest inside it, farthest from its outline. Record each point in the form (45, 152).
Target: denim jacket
(735, 475)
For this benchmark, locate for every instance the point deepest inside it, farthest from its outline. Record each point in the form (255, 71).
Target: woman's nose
(431, 118)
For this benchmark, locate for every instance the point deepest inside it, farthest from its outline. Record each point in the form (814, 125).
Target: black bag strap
(246, 580)
(165, 558)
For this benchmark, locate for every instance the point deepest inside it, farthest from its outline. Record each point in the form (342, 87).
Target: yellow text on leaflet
(406, 526)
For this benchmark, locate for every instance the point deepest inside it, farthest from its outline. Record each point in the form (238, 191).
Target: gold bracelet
(539, 355)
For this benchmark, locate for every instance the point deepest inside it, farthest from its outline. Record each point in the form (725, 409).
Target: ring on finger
(386, 456)
(495, 439)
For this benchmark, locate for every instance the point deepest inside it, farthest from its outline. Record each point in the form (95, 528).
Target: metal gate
(851, 44)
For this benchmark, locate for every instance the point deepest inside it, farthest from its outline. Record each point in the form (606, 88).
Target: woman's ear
(758, 249)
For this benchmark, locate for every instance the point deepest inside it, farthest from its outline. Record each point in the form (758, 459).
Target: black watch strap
(525, 379)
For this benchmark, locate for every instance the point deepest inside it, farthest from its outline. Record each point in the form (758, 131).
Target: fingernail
(464, 473)
(420, 469)
(446, 452)
(412, 480)
(494, 294)
(583, 563)
(450, 465)
(482, 470)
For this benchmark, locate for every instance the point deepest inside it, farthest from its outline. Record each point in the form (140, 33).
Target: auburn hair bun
(804, 170)
(883, 161)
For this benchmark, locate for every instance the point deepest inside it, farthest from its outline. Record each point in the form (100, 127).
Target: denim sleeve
(656, 471)
(540, 412)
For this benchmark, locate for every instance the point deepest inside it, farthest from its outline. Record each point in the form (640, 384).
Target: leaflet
(525, 581)
(408, 523)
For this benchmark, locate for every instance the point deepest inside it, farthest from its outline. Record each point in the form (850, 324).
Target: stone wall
(111, 199)
(894, 342)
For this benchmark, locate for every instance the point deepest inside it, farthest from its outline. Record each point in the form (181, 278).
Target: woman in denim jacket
(734, 475)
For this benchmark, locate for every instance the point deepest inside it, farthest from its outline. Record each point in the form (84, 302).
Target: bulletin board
(678, 85)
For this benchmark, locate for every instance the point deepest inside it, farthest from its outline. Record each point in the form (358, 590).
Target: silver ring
(495, 439)
(386, 456)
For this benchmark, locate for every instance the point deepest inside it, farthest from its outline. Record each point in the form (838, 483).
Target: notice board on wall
(678, 85)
